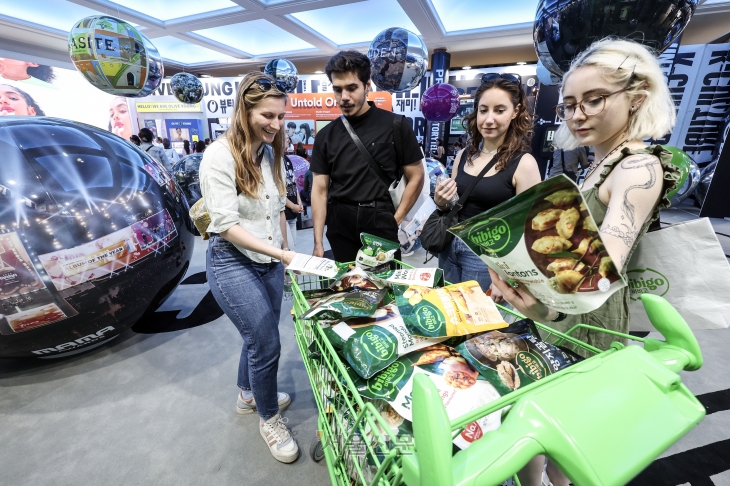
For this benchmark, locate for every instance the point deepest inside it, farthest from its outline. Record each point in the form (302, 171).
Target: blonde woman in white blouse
(242, 181)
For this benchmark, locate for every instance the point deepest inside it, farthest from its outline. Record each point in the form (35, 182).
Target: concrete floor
(158, 409)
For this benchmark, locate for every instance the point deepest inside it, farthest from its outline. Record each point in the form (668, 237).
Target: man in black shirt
(359, 199)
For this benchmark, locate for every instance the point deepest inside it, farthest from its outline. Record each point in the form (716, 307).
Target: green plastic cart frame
(546, 417)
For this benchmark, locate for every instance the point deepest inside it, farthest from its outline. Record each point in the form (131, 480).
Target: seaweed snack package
(315, 295)
(372, 345)
(454, 310)
(515, 356)
(426, 277)
(356, 279)
(322, 267)
(375, 251)
(344, 305)
(460, 386)
(546, 239)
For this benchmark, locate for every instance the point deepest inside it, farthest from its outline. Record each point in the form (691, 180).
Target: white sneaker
(277, 436)
(244, 407)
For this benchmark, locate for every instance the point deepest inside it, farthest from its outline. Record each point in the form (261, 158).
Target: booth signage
(165, 107)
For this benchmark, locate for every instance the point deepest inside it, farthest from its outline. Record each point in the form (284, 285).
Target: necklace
(490, 152)
(592, 168)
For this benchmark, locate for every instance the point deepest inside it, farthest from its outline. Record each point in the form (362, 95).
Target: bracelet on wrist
(561, 316)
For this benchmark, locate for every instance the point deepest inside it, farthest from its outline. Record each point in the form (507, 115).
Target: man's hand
(318, 250)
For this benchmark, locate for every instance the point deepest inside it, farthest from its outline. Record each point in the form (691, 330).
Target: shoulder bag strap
(562, 160)
(373, 165)
(148, 148)
(467, 193)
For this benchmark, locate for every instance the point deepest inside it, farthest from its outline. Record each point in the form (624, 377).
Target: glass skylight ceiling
(184, 52)
(458, 15)
(256, 37)
(357, 22)
(57, 14)
(166, 10)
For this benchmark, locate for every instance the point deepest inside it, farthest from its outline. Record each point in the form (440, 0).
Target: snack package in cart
(454, 310)
(546, 239)
(426, 277)
(345, 305)
(375, 251)
(460, 386)
(371, 344)
(514, 356)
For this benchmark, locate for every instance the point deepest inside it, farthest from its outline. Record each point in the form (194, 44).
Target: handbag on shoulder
(434, 237)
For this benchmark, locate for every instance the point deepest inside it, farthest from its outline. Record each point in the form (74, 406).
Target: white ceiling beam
(304, 32)
(115, 10)
(426, 20)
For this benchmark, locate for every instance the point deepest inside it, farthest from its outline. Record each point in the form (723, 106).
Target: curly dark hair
(349, 62)
(519, 134)
(42, 72)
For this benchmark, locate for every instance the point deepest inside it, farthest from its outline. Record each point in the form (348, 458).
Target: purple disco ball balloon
(440, 103)
(94, 233)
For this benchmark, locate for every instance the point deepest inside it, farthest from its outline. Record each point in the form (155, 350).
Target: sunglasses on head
(266, 84)
(511, 77)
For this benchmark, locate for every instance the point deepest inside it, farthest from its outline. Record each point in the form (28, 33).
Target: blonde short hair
(627, 63)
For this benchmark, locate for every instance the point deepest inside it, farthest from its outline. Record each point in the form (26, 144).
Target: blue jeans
(250, 294)
(460, 264)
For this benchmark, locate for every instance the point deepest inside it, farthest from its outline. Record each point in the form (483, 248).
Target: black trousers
(345, 222)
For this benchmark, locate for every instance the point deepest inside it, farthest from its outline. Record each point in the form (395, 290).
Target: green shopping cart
(602, 420)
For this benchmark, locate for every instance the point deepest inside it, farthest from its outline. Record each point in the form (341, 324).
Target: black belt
(371, 204)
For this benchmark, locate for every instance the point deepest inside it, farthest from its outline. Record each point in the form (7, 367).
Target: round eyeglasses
(592, 105)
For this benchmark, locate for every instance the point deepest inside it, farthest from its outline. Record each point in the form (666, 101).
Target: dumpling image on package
(454, 310)
(375, 251)
(546, 239)
(514, 356)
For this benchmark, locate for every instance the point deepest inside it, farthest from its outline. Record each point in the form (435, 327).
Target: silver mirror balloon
(115, 57)
(186, 88)
(284, 73)
(398, 60)
(563, 29)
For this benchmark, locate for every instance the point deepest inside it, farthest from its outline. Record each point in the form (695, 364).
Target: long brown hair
(518, 136)
(249, 178)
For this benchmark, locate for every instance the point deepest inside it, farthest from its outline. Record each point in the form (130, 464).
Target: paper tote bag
(685, 264)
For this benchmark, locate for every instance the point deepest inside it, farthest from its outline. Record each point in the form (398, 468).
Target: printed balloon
(115, 57)
(93, 234)
(440, 102)
(563, 29)
(398, 60)
(284, 73)
(187, 88)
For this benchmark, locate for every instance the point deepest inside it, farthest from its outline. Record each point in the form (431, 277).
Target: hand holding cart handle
(602, 421)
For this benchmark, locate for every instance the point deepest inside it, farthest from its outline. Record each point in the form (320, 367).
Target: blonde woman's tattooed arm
(635, 188)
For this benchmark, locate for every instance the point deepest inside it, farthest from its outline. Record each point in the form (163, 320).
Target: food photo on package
(515, 356)
(375, 251)
(356, 278)
(454, 310)
(460, 386)
(344, 305)
(371, 344)
(546, 239)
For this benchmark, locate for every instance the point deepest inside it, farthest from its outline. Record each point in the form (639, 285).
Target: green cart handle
(637, 407)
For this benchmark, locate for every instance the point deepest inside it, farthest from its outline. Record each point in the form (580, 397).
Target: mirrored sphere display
(563, 29)
(187, 176)
(398, 60)
(284, 73)
(301, 166)
(115, 57)
(545, 76)
(93, 234)
(187, 88)
(440, 102)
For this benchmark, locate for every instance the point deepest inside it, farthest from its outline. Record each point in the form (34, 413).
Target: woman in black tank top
(500, 130)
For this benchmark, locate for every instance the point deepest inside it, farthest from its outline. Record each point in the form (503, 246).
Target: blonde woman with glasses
(614, 96)
(242, 181)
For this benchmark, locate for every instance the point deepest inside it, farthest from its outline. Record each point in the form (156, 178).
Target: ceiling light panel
(185, 52)
(356, 23)
(256, 37)
(166, 10)
(56, 14)
(481, 14)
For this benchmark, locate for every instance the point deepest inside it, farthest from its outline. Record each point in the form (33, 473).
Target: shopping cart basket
(602, 420)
